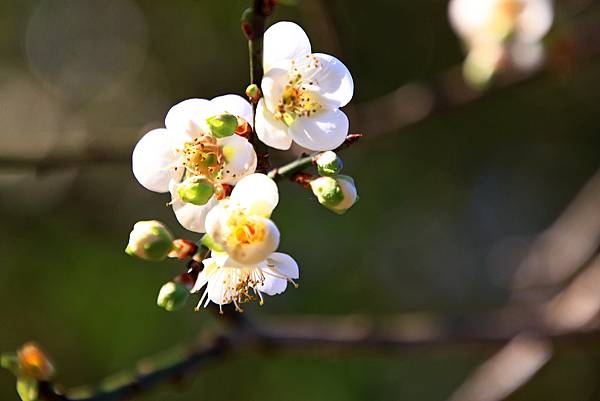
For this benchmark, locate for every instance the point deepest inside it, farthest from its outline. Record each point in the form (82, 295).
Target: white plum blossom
(196, 154)
(228, 281)
(302, 93)
(240, 225)
(244, 263)
(498, 30)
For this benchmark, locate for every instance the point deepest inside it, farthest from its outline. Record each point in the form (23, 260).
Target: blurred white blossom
(499, 32)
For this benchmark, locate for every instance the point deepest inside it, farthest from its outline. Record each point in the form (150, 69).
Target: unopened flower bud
(222, 125)
(327, 191)
(173, 296)
(196, 191)
(338, 193)
(34, 363)
(329, 164)
(253, 93)
(150, 240)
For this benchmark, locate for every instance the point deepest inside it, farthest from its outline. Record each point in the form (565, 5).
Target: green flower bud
(172, 296)
(327, 191)
(196, 191)
(150, 240)
(222, 125)
(253, 92)
(329, 164)
(338, 193)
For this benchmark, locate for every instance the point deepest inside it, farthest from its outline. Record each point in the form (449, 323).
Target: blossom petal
(190, 216)
(187, 119)
(240, 158)
(233, 104)
(153, 160)
(217, 285)
(270, 131)
(273, 83)
(322, 131)
(272, 285)
(284, 40)
(210, 267)
(535, 20)
(285, 265)
(335, 83)
(258, 193)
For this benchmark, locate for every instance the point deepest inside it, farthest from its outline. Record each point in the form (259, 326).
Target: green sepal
(223, 125)
(197, 193)
(210, 243)
(27, 388)
(10, 362)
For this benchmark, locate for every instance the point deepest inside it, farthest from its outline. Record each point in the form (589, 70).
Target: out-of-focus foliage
(446, 206)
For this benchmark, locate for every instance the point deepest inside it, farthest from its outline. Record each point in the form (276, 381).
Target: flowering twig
(290, 169)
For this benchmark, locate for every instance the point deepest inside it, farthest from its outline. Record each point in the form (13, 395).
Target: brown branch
(326, 335)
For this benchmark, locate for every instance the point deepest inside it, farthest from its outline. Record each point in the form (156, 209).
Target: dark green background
(436, 198)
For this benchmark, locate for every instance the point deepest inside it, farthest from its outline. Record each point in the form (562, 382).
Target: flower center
(244, 230)
(297, 100)
(203, 156)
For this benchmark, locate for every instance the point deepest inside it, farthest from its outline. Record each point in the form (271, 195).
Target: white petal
(210, 267)
(284, 40)
(153, 160)
(187, 119)
(215, 222)
(257, 193)
(335, 83)
(535, 20)
(240, 158)
(285, 265)
(270, 131)
(233, 104)
(256, 252)
(273, 83)
(321, 131)
(272, 285)
(190, 216)
(216, 285)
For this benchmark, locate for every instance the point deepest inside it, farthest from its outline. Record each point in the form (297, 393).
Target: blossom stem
(290, 170)
(261, 9)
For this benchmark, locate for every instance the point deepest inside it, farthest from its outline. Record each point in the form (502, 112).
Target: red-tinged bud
(34, 363)
(246, 23)
(183, 249)
(253, 92)
(244, 129)
(188, 279)
(222, 191)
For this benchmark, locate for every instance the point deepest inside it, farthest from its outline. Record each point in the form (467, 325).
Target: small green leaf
(27, 387)
(210, 243)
